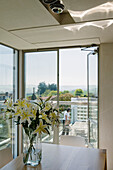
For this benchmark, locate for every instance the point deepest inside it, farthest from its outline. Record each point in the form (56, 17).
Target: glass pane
(73, 92)
(8, 89)
(41, 78)
(93, 99)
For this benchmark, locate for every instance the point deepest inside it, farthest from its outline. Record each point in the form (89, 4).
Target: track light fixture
(55, 5)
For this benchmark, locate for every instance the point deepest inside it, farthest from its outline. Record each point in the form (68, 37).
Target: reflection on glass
(8, 89)
(41, 79)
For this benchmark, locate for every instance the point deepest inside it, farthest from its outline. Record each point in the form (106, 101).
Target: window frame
(15, 56)
(56, 132)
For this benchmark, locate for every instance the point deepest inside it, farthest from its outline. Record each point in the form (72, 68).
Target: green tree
(46, 93)
(42, 87)
(78, 92)
(52, 87)
(52, 93)
(65, 97)
(65, 91)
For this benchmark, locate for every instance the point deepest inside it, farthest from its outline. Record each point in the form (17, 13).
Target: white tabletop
(59, 157)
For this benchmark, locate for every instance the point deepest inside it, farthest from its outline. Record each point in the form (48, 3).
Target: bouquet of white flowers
(35, 117)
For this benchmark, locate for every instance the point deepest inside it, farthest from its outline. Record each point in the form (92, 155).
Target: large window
(76, 72)
(8, 89)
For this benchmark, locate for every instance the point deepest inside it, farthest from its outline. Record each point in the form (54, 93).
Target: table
(60, 157)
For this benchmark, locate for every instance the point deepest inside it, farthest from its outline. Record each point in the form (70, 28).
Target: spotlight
(49, 1)
(57, 7)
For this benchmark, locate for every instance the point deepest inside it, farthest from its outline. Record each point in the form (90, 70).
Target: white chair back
(5, 156)
(72, 141)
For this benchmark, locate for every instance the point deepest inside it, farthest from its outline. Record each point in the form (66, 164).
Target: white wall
(106, 101)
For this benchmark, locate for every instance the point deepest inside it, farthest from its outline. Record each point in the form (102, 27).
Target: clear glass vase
(32, 149)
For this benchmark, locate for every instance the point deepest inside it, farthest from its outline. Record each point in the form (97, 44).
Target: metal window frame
(56, 139)
(21, 88)
(15, 84)
(88, 55)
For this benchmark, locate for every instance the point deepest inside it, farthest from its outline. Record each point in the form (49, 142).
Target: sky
(73, 67)
(6, 65)
(42, 67)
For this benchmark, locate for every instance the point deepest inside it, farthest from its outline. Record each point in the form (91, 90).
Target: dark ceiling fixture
(49, 1)
(57, 7)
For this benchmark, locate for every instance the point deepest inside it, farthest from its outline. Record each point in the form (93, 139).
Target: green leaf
(48, 99)
(38, 104)
(41, 100)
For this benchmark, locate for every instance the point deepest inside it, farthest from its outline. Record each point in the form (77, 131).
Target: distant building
(79, 110)
(4, 96)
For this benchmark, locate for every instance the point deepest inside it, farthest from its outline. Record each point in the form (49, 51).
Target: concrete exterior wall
(106, 101)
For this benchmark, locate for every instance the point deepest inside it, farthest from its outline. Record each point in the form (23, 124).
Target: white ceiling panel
(55, 34)
(66, 32)
(87, 10)
(83, 5)
(13, 41)
(17, 14)
(44, 34)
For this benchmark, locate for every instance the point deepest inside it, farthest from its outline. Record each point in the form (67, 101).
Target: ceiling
(27, 24)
